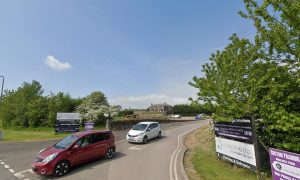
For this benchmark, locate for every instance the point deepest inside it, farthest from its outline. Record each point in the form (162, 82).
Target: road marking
(137, 148)
(2, 163)
(11, 170)
(120, 141)
(6, 166)
(20, 174)
(173, 127)
(174, 157)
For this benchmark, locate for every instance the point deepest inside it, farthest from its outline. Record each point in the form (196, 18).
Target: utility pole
(2, 88)
(1, 96)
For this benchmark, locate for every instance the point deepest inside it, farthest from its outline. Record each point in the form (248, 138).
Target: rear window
(100, 137)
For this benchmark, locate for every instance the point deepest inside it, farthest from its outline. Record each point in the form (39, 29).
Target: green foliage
(15, 108)
(94, 107)
(27, 107)
(60, 102)
(125, 112)
(277, 23)
(191, 109)
(225, 85)
(260, 78)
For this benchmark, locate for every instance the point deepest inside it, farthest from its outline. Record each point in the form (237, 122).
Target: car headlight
(140, 134)
(50, 158)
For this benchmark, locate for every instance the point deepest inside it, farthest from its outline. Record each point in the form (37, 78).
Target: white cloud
(56, 64)
(145, 101)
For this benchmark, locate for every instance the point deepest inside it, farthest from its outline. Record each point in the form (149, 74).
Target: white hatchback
(144, 131)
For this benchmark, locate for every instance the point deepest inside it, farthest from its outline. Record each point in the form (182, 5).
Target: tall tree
(226, 79)
(260, 78)
(60, 102)
(93, 107)
(15, 108)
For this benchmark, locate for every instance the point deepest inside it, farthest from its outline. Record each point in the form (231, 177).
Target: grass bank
(33, 134)
(201, 161)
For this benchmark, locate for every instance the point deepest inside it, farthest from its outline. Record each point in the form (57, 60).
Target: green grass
(207, 164)
(18, 135)
(33, 134)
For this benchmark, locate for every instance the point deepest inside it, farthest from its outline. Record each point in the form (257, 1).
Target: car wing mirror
(148, 129)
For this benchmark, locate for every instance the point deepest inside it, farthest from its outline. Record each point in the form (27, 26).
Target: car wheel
(159, 135)
(109, 153)
(145, 140)
(61, 168)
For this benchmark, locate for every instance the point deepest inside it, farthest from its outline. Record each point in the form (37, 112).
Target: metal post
(2, 88)
(1, 96)
(255, 147)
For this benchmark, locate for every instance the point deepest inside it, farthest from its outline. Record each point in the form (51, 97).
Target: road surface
(160, 159)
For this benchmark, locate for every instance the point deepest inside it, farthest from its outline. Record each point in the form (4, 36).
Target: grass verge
(201, 161)
(34, 134)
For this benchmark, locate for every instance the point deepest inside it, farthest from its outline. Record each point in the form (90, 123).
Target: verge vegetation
(201, 161)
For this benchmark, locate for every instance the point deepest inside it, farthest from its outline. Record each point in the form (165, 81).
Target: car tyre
(109, 153)
(145, 140)
(61, 168)
(159, 134)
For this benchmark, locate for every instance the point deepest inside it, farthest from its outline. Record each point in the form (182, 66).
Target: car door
(152, 129)
(100, 143)
(155, 130)
(82, 153)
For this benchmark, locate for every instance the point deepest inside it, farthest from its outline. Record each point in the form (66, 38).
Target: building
(164, 108)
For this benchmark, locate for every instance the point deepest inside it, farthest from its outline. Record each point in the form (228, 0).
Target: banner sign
(69, 116)
(239, 153)
(284, 165)
(240, 131)
(89, 126)
(67, 122)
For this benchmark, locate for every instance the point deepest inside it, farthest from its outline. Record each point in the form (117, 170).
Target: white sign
(237, 150)
(68, 116)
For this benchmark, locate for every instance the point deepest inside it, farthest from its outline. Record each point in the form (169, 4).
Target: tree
(260, 78)
(37, 113)
(277, 23)
(60, 102)
(16, 106)
(226, 78)
(94, 107)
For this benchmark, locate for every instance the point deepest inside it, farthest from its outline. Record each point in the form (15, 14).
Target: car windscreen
(140, 127)
(66, 142)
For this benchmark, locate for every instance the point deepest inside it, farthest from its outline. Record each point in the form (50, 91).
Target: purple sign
(284, 165)
(89, 126)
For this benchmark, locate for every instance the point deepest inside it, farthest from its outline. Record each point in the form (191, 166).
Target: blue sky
(137, 52)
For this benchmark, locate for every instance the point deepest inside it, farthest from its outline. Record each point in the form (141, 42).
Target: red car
(73, 150)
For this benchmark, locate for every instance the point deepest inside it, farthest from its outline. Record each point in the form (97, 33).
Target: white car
(144, 131)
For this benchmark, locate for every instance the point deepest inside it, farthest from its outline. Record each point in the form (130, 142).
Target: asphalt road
(159, 159)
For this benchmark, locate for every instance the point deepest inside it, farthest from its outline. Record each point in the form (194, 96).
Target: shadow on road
(84, 167)
(154, 140)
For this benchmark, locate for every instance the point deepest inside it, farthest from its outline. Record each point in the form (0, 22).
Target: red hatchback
(74, 150)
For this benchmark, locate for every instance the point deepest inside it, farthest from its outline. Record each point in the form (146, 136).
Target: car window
(155, 125)
(99, 137)
(152, 126)
(79, 142)
(86, 141)
(140, 127)
(66, 142)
